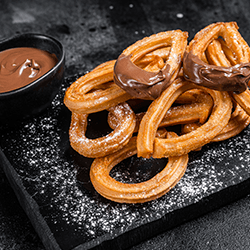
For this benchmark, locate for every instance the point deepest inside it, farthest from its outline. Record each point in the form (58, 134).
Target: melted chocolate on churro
(138, 82)
(234, 78)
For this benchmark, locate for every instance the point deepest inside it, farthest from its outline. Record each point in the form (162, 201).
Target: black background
(93, 32)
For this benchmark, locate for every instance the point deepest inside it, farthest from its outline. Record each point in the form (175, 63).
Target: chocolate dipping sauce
(21, 66)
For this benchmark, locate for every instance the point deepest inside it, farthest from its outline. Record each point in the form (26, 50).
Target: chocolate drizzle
(138, 82)
(234, 78)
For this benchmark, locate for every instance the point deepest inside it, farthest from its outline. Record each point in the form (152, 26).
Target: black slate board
(52, 184)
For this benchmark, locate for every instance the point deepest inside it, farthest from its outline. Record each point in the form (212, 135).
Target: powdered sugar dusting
(41, 155)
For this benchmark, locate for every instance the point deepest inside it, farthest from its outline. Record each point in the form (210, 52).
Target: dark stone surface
(93, 32)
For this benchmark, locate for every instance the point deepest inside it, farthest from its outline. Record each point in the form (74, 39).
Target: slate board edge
(29, 205)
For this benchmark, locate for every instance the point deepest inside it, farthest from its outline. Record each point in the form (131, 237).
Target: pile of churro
(200, 86)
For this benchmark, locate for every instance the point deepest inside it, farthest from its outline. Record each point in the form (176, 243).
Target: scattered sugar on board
(41, 164)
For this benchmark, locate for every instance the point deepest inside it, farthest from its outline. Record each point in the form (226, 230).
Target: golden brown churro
(228, 51)
(218, 77)
(95, 91)
(147, 84)
(149, 146)
(105, 145)
(136, 192)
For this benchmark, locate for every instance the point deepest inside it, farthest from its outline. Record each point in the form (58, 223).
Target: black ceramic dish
(35, 97)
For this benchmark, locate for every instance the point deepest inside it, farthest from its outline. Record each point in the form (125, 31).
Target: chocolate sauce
(138, 82)
(21, 66)
(234, 78)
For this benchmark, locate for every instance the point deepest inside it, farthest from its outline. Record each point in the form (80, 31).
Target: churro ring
(108, 144)
(149, 146)
(95, 91)
(149, 190)
(223, 78)
(146, 84)
(220, 55)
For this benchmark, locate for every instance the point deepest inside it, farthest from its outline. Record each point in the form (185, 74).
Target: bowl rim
(58, 64)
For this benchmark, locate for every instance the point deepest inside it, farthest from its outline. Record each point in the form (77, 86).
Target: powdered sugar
(49, 169)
